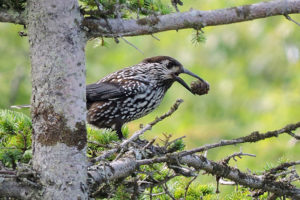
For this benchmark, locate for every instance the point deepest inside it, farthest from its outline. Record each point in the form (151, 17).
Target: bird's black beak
(185, 71)
(179, 80)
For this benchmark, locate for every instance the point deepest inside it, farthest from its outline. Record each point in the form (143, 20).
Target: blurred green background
(253, 69)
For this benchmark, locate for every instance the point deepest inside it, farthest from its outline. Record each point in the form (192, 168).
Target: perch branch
(124, 167)
(190, 19)
(100, 174)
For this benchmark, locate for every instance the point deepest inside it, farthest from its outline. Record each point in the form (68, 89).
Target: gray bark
(252, 181)
(11, 187)
(126, 166)
(174, 21)
(100, 174)
(192, 19)
(58, 97)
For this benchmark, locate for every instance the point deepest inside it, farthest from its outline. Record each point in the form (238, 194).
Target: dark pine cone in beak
(200, 88)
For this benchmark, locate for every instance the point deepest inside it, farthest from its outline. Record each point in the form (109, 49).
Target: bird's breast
(141, 104)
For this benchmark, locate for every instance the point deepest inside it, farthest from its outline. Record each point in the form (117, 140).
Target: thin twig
(188, 185)
(132, 45)
(297, 137)
(289, 18)
(155, 37)
(253, 137)
(282, 166)
(166, 141)
(284, 173)
(150, 143)
(151, 124)
(239, 154)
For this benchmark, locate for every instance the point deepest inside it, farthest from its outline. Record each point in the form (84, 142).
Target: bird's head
(169, 70)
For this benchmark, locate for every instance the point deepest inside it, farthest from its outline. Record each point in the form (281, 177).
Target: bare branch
(11, 187)
(155, 37)
(126, 41)
(188, 185)
(190, 19)
(149, 126)
(239, 154)
(268, 181)
(252, 181)
(289, 18)
(294, 135)
(121, 168)
(253, 137)
(282, 166)
(16, 184)
(126, 166)
(149, 143)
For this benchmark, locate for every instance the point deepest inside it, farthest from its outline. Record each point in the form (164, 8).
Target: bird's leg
(118, 129)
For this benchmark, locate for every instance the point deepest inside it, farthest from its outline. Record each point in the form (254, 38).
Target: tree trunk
(58, 97)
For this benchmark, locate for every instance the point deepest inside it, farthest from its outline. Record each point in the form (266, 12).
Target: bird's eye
(169, 66)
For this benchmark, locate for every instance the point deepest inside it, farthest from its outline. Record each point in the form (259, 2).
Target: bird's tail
(20, 106)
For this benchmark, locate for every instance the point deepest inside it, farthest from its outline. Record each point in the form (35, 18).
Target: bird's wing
(114, 90)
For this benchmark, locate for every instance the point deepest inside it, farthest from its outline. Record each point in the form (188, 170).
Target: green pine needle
(198, 37)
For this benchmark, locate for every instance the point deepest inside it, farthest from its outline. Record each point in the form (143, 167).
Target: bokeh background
(253, 69)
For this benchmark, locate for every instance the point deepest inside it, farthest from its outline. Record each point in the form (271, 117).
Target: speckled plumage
(130, 93)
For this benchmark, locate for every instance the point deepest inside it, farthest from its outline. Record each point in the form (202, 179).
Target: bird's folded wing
(111, 90)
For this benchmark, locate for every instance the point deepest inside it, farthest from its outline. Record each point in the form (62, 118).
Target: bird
(133, 92)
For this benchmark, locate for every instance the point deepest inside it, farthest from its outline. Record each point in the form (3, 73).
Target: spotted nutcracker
(133, 92)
